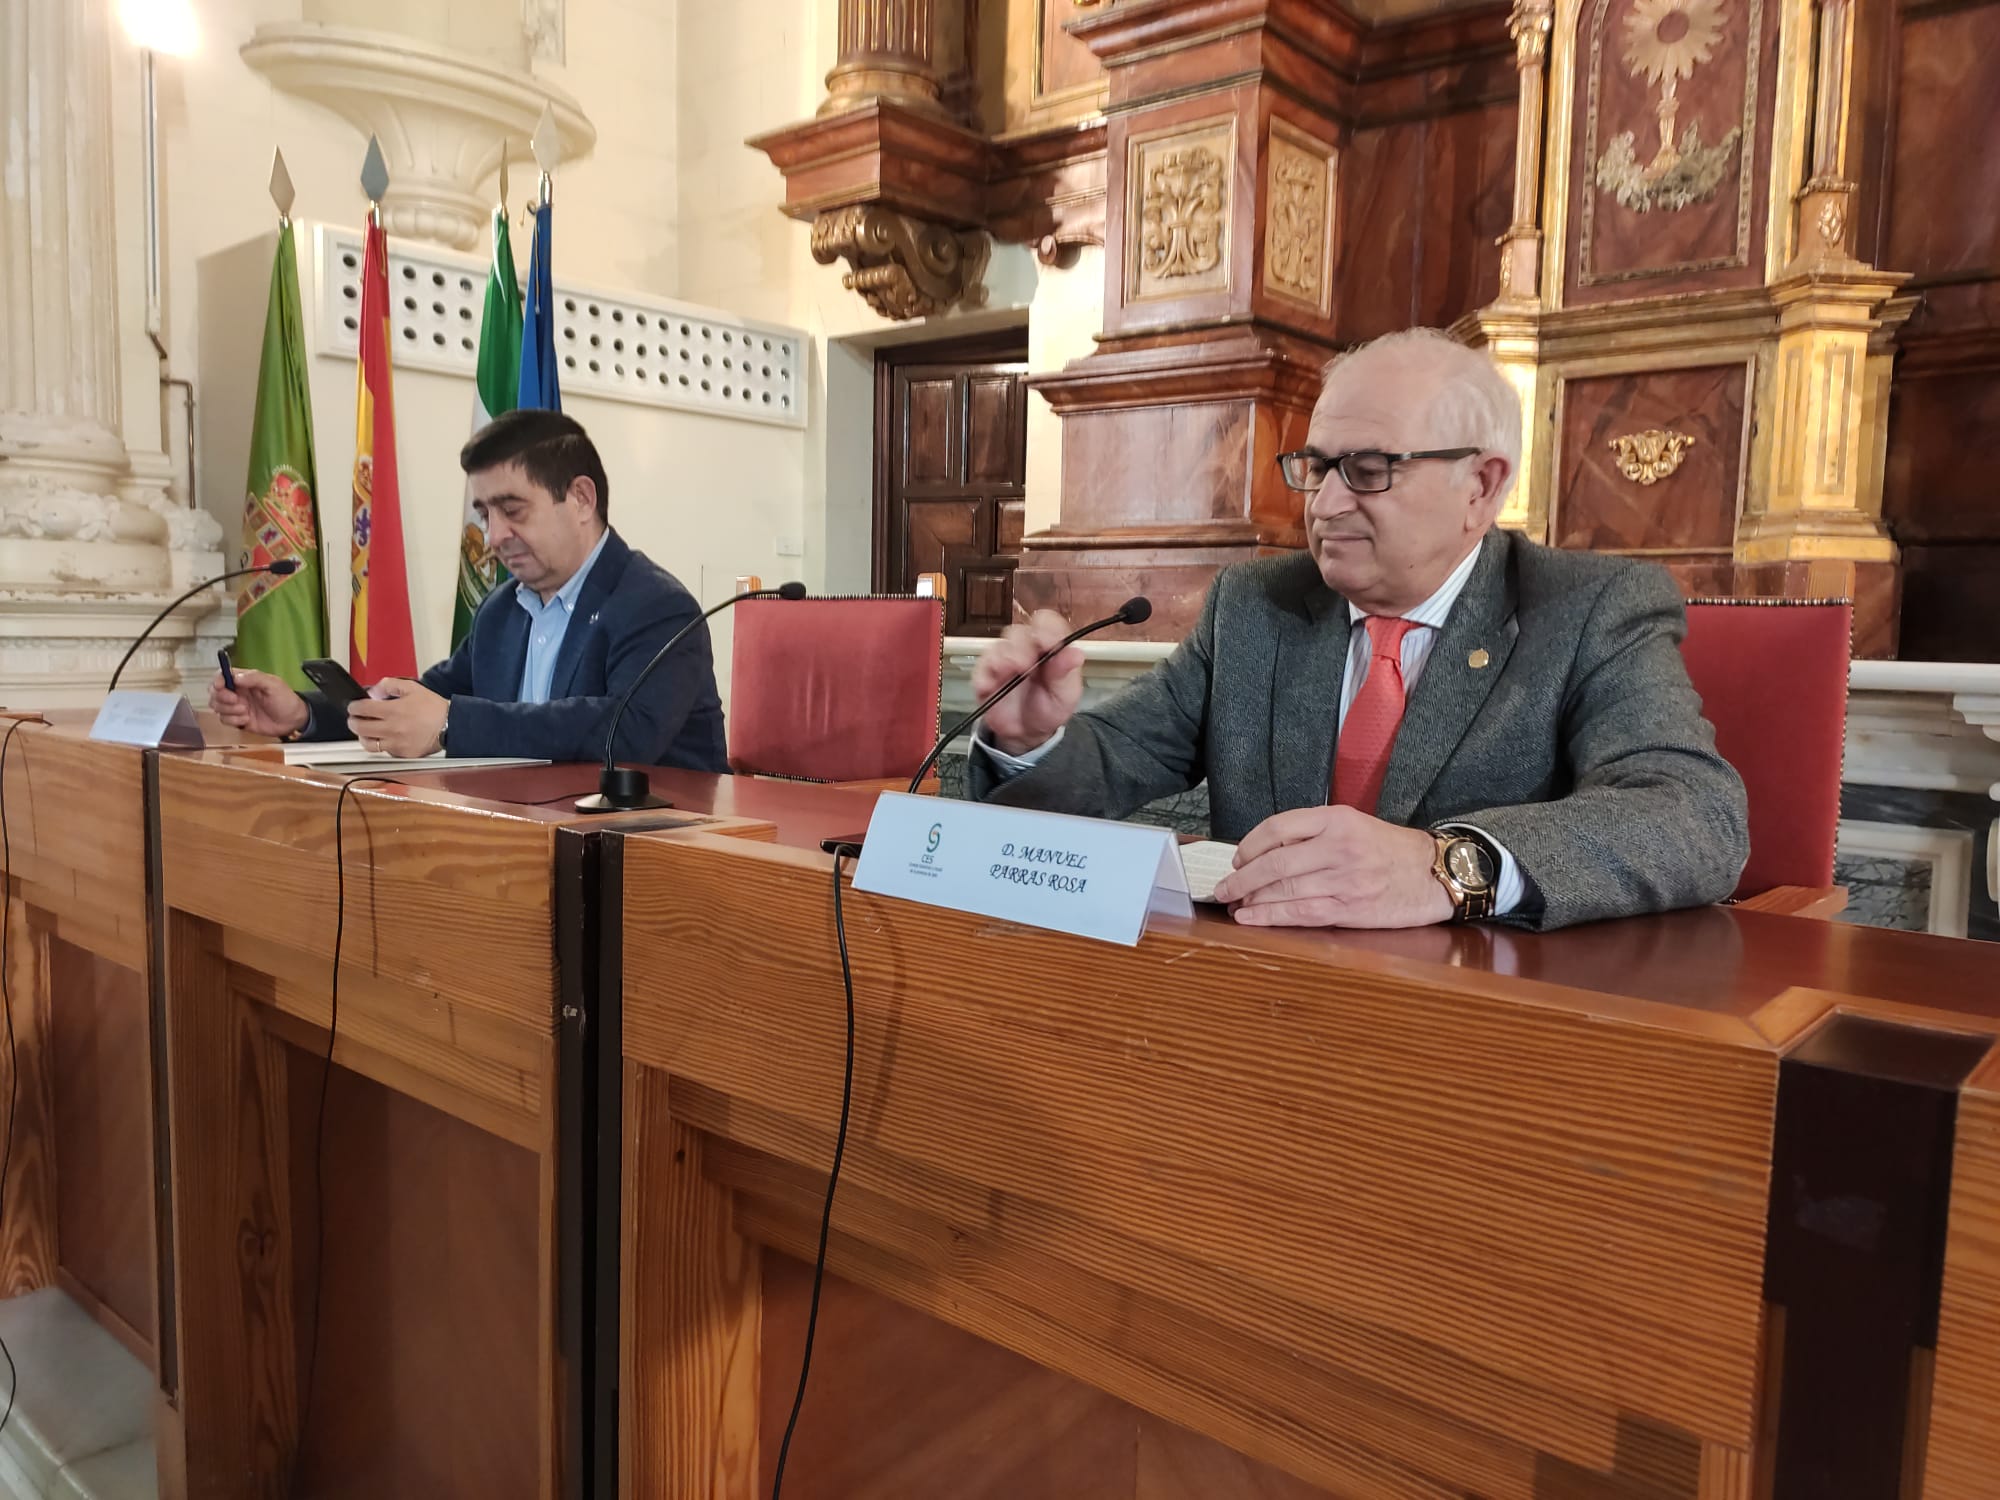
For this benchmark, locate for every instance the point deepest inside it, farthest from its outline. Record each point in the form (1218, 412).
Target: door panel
(949, 492)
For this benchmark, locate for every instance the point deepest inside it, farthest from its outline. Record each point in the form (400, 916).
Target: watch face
(1468, 865)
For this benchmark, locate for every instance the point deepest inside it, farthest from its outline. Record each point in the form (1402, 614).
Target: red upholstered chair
(840, 690)
(1772, 674)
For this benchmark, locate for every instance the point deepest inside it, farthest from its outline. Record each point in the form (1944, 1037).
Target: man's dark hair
(552, 448)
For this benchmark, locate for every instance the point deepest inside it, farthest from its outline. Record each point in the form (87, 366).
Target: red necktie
(1369, 733)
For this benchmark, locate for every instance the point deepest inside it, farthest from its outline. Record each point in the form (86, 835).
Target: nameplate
(1086, 876)
(162, 721)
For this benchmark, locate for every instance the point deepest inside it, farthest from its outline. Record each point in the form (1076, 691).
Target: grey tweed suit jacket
(1579, 745)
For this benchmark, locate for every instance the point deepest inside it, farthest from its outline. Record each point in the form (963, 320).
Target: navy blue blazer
(628, 609)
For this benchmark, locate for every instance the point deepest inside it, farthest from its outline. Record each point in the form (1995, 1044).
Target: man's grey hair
(1473, 403)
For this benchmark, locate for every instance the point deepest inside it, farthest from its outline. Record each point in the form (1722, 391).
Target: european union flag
(538, 326)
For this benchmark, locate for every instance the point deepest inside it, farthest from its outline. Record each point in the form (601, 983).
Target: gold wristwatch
(1468, 867)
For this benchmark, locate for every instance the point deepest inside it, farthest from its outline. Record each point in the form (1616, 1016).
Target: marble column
(87, 544)
(887, 51)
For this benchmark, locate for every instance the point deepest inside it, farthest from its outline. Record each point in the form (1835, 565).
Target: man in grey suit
(1421, 719)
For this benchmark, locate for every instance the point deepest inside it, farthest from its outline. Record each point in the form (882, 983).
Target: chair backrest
(1772, 674)
(835, 689)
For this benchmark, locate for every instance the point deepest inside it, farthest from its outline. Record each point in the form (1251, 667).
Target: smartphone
(228, 672)
(332, 679)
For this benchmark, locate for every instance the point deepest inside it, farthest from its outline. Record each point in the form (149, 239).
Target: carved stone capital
(903, 267)
(440, 115)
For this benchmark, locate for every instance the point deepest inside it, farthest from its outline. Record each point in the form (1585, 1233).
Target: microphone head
(1136, 611)
(283, 566)
(792, 590)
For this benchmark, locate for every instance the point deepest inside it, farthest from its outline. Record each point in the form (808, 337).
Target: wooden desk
(1418, 1214)
(450, 1252)
(86, 1205)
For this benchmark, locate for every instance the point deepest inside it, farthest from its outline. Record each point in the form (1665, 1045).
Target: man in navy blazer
(551, 650)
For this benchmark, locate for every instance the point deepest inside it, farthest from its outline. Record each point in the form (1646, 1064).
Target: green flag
(281, 622)
(496, 388)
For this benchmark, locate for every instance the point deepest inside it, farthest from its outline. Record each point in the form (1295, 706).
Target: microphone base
(597, 802)
(621, 789)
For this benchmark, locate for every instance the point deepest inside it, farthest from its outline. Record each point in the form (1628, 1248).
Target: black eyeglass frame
(1340, 461)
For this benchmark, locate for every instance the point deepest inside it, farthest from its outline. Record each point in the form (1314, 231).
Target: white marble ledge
(1926, 725)
(1107, 667)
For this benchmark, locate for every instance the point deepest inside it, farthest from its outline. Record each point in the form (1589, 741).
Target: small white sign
(1087, 876)
(151, 720)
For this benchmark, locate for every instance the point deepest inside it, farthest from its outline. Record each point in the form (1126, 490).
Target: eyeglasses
(1365, 472)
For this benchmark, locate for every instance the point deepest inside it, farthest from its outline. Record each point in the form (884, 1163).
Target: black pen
(228, 676)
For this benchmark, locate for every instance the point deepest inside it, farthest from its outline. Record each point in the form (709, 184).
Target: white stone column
(87, 545)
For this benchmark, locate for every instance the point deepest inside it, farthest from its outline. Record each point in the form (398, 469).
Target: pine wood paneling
(690, 1354)
(1964, 1444)
(28, 1213)
(1428, 1203)
(103, 1130)
(415, 869)
(428, 1345)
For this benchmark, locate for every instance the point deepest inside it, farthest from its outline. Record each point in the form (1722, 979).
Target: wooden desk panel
(83, 1207)
(452, 900)
(101, 1095)
(79, 1209)
(1963, 1456)
(437, 1363)
(439, 1186)
(1491, 1225)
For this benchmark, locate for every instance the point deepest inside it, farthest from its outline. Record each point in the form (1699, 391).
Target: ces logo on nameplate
(1087, 876)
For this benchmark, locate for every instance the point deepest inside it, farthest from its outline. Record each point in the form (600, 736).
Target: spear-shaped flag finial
(548, 146)
(503, 177)
(374, 172)
(282, 192)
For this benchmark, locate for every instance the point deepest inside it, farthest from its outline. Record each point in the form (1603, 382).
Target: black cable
(325, 1077)
(832, 1181)
(7, 1004)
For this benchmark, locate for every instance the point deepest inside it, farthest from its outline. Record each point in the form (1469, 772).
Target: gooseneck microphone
(283, 567)
(1134, 611)
(620, 788)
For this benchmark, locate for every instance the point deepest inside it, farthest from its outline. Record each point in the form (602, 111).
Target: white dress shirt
(1429, 617)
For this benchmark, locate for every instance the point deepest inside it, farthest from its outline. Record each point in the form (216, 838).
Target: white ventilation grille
(647, 350)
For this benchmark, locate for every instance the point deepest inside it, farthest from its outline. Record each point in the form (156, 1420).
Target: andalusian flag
(281, 622)
(494, 389)
(380, 642)
(538, 331)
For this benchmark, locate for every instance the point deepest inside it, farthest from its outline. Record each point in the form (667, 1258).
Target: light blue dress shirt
(548, 624)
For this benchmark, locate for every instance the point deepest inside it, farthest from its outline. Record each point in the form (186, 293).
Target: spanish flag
(380, 642)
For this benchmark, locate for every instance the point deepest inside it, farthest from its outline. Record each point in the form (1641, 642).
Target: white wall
(704, 496)
(220, 119)
(671, 202)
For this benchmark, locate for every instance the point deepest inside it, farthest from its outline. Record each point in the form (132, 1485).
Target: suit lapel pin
(1478, 659)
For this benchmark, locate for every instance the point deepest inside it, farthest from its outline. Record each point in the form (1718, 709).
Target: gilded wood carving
(1687, 75)
(1665, 41)
(1650, 456)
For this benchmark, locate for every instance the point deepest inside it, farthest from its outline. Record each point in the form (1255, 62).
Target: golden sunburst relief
(1666, 40)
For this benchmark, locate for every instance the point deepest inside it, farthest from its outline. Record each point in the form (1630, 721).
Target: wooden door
(950, 452)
